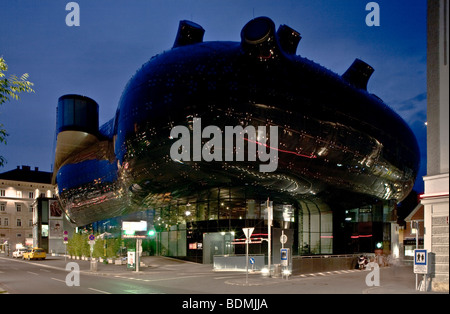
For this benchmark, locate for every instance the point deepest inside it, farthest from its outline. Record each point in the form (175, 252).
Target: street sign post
(248, 233)
(269, 232)
(421, 266)
(420, 262)
(285, 259)
(137, 230)
(66, 238)
(283, 238)
(252, 262)
(65, 241)
(91, 242)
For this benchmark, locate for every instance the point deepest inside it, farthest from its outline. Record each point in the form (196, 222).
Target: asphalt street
(170, 276)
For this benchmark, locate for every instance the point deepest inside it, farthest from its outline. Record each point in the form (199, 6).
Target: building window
(18, 207)
(2, 207)
(19, 222)
(30, 223)
(30, 194)
(6, 223)
(0, 221)
(19, 194)
(2, 192)
(18, 235)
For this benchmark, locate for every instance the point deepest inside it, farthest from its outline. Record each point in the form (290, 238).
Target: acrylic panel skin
(336, 142)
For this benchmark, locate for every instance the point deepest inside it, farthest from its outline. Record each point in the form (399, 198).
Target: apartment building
(19, 189)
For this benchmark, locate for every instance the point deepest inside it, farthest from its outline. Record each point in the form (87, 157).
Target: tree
(10, 88)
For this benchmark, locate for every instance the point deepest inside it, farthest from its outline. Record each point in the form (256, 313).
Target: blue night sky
(116, 37)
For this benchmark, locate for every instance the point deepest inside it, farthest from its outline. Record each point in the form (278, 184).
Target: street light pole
(138, 261)
(269, 226)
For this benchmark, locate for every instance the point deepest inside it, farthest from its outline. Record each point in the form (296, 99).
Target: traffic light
(151, 232)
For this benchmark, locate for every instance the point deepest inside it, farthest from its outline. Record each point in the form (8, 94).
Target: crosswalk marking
(101, 291)
(328, 273)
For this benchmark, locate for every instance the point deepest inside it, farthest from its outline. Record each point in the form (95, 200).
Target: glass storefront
(315, 228)
(210, 223)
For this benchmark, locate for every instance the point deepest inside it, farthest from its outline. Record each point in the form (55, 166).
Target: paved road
(170, 276)
(49, 276)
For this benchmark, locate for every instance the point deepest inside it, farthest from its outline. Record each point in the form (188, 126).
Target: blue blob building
(344, 158)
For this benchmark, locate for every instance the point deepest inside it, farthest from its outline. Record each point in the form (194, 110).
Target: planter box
(119, 262)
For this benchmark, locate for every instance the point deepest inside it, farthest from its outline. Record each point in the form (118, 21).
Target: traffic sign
(66, 239)
(91, 237)
(248, 232)
(283, 239)
(285, 258)
(252, 260)
(421, 262)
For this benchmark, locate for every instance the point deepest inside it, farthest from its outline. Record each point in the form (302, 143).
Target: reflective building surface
(344, 158)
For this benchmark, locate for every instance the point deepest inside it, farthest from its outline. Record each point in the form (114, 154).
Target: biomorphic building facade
(207, 134)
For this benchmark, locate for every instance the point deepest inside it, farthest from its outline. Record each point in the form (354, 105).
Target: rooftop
(25, 174)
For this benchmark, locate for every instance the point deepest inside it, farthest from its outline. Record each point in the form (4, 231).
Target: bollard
(94, 265)
(276, 270)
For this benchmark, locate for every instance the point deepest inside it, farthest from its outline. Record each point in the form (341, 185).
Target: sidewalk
(392, 280)
(150, 264)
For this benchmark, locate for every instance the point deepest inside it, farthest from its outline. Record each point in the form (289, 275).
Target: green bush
(74, 246)
(112, 247)
(78, 245)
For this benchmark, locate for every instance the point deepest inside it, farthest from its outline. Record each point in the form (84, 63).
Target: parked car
(34, 253)
(19, 252)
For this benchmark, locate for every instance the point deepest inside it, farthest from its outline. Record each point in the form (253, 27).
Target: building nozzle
(288, 38)
(358, 74)
(188, 33)
(258, 39)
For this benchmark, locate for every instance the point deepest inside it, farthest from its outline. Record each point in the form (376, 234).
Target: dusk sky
(116, 37)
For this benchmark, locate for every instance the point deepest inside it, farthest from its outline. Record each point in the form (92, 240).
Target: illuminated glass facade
(339, 148)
